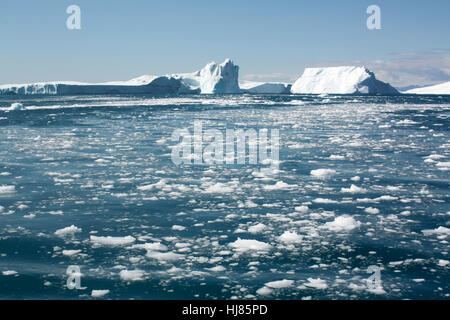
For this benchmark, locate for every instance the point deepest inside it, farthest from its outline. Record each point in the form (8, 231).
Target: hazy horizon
(120, 41)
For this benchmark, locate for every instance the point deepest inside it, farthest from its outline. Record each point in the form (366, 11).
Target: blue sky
(270, 40)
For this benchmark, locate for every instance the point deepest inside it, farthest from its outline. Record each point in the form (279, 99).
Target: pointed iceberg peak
(341, 80)
(220, 78)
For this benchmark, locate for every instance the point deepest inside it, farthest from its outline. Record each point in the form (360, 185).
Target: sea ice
(113, 241)
(99, 293)
(316, 283)
(323, 173)
(242, 245)
(290, 237)
(280, 284)
(353, 189)
(257, 228)
(342, 223)
(7, 189)
(132, 275)
(264, 291)
(67, 231)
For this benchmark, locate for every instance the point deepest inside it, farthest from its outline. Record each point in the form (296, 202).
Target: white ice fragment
(353, 189)
(264, 291)
(280, 284)
(99, 293)
(302, 209)
(323, 173)
(243, 245)
(7, 189)
(342, 223)
(164, 256)
(132, 275)
(67, 231)
(316, 283)
(178, 228)
(290, 237)
(112, 241)
(372, 210)
(70, 253)
(438, 231)
(257, 228)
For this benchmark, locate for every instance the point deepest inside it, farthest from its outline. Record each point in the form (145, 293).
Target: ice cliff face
(214, 78)
(162, 85)
(341, 80)
(442, 88)
(220, 78)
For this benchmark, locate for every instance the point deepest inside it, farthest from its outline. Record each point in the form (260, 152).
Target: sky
(269, 40)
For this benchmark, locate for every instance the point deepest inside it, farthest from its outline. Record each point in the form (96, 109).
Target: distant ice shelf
(212, 79)
(442, 88)
(264, 87)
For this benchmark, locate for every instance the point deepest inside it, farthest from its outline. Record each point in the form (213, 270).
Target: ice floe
(99, 293)
(7, 189)
(280, 284)
(342, 223)
(112, 241)
(290, 237)
(67, 231)
(243, 245)
(323, 173)
(132, 275)
(316, 283)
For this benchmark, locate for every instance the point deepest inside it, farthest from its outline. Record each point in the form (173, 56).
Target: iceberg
(341, 80)
(264, 87)
(212, 79)
(442, 88)
(163, 84)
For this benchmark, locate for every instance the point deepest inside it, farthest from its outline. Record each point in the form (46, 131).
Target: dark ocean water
(103, 165)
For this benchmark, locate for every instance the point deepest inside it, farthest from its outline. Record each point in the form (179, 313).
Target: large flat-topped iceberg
(341, 80)
(163, 85)
(442, 88)
(214, 78)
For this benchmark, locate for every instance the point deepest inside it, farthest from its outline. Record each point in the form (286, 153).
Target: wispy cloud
(413, 68)
(404, 69)
(401, 69)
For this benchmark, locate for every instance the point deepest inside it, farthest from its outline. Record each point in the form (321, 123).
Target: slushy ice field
(89, 181)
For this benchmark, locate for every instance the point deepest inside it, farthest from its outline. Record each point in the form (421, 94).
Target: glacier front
(341, 80)
(213, 78)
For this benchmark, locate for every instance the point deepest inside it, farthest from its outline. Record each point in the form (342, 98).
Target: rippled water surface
(76, 170)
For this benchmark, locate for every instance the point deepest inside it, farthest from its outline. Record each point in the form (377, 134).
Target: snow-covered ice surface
(441, 88)
(214, 78)
(341, 80)
(89, 181)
